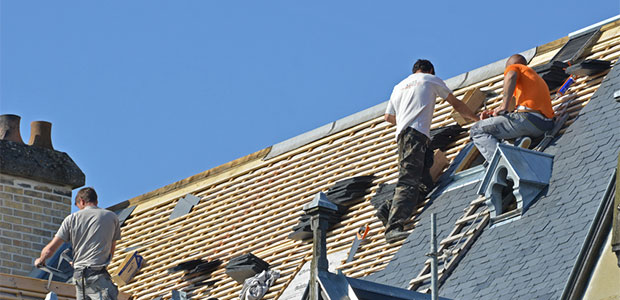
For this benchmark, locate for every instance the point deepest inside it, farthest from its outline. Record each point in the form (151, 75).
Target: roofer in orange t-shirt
(531, 118)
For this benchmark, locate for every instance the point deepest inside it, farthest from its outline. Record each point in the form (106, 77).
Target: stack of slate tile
(553, 73)
(384, 193)
(588, 67)
(245, 266)
(196, 269)
(303, 230)
(347, 192)
(441, 137)
(196, 266)
(343, 193)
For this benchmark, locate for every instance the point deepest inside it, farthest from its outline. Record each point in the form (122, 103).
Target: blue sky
(144, 93)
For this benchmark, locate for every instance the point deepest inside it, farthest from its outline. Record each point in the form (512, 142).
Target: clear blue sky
(145, 93)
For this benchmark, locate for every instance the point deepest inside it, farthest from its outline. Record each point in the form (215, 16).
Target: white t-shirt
(413, 101)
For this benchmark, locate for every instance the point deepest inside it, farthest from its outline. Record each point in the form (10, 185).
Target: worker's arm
(510, 82)
(48, 251)
(390, 119)
(461, 108)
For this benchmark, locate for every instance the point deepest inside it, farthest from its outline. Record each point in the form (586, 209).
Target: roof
(251, 205)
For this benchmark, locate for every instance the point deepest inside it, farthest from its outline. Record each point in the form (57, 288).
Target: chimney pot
(41, 134)
(9, 128)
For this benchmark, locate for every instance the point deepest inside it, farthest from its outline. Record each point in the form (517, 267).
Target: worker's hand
(476, 119)
(486, 114)
(499, 111)
(39, 262)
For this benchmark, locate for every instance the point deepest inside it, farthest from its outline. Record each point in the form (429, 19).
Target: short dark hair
(87, 194)
(424, 65)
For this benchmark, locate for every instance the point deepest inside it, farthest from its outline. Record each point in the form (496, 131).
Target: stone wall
(30, 214)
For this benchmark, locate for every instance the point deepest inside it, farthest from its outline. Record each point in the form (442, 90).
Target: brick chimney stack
(36, 182)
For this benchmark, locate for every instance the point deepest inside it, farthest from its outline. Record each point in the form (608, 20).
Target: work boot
(396, 235)
(525, 142)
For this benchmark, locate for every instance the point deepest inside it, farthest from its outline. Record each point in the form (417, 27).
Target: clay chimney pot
(41, 134)
(9, 128)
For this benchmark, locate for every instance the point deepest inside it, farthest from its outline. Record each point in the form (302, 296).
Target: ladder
(561, 115)
(452, 248)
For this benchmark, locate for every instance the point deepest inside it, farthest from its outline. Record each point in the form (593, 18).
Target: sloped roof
(251, 204)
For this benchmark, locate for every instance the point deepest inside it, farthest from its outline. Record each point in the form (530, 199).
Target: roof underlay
(251, 204)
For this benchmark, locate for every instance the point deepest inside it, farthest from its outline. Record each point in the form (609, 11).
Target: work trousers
(412, 164)
(487, 133)
(94, 285)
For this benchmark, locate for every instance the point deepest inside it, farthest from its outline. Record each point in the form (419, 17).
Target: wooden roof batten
(251, 203)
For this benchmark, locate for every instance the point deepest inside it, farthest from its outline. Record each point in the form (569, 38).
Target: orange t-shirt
(531, 90)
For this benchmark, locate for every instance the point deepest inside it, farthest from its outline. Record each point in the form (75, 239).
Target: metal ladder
(452, 248)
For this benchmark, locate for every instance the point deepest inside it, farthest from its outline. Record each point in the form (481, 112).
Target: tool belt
(91, 271)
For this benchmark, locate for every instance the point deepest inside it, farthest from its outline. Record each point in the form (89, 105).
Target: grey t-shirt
(91, 232)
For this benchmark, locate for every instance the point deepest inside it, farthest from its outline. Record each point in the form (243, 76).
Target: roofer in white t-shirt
(411, 109)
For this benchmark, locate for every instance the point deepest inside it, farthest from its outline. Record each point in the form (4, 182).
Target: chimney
(36, 184)
(9, 128)
(41, 134)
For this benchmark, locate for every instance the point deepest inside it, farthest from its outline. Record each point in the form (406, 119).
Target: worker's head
(516, 59)
(423, 66)
(86, 197)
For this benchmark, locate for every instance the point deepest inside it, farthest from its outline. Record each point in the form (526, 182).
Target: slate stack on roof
(196, 266)
(343, 193)
(303, 230)
(346, 192)
(197, 271)
(442, 137)
(245, 266)
(589, 67)
(553, 73)
(384, 193)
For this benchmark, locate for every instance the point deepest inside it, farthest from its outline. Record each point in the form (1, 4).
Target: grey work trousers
(487, 133)
(97, 286)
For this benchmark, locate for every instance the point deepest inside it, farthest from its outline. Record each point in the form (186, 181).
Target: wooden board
(474, 99)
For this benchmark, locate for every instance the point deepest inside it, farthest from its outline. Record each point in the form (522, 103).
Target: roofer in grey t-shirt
(92, 232)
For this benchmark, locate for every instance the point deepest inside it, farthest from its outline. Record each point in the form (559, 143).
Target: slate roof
(531, 257)
(252, 204)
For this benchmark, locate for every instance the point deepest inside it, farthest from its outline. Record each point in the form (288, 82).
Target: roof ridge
(454, 82)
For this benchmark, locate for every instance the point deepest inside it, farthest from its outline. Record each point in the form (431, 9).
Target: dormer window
(514, 179)
(503, 193)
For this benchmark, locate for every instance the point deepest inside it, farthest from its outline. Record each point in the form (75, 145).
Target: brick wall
(30, 214)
